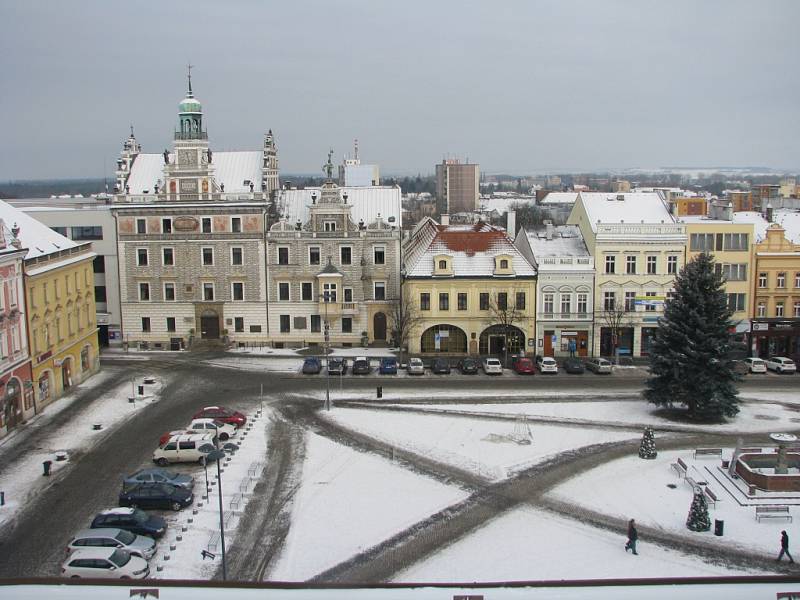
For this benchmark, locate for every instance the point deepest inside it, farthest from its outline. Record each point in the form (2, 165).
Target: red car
(523, 366)
(223, 414)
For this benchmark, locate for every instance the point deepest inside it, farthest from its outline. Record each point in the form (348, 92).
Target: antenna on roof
(355, 144)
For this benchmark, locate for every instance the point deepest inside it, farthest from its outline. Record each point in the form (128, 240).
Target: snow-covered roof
(790, 221)
(505, 203)
(37, 237)
(566, 240)
(368, 203)
(640, 207)
(473, 249)
(786, 218)
(230, 168)
(560, 198)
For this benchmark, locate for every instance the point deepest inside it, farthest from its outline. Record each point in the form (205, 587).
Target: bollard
(166, 557)
(46, 465)
(184, 529)
(172, 547)
(140, 390)
(190, 520)
(97, 426)
(194, 511)
(160, 568)
(131, 399)
(379, 392)
(2, 498)
(179, 538)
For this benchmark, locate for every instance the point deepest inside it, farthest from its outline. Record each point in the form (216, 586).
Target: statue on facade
(328, 167)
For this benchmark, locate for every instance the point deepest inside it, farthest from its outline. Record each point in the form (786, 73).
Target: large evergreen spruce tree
(689, 358)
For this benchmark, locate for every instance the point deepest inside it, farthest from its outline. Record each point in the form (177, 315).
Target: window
(735, 241)
(208, 291)
(144, 292)
(583, 301)
(611, 262)
(761, 310)
(652, 262)
(141, 226)
(483, 300)
(701, 242)
(285, 323)
(346, 255)
(347, 325)
(503, 263)
(329, 292)
(60, 230)
(238, 324)
(166, 227)
(208, 256)
(444, 301)
(169, 292)
(348, 294)
(502, 300)
(672, 265)
(283, 256)
(141, 257)
(313, 255)
(549, 300)
(236, 224)
(100, 293)
(167, 257)
(145, 324)
(443, 265)
(255, 328)
(237, 256)
(609, 300)
(283, 291)
(736, 302)
(380, 290)
(424, 301)
(316, 324)
(797, 309)
(650, 306)
(779, 309)
(379, 255)
(99, 265)
(206, 224)
(89, 233)
(630, 265)
(797, 280)
(566, 304)
(762, 280)
(781, 283)
(520, 301)
(329, 226)
(237, 291)
(307, 291)
(630, 301)
(171, 324)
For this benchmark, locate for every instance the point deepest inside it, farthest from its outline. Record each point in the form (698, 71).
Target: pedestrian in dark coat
(785, 547)
(633, 535)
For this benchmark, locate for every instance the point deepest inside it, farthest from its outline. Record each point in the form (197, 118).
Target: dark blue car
(312, 366)
(388, 366)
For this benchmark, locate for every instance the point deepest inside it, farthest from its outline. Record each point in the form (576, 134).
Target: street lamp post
(327, 338)
(218, 455)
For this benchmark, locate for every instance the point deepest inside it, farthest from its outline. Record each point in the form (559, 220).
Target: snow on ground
(349, 501)
(186, 561)
(635, 488)
(109, 411)
(483, 447)
(526, 544)
(273, 365)
(346, 352)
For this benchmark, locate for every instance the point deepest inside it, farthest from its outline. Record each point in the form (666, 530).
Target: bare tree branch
(405, 317)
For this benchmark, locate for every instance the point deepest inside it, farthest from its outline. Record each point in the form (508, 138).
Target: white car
(104, 563)
(781, 364)
(492, 366)
(415, 366)
(548, 364)
(755, 365)
(106, 537)
(225, 430)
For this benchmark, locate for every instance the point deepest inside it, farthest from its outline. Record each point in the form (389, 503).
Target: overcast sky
(518, 87)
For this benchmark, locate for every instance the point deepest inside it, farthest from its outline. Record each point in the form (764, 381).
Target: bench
(236, 501)
(773, 512)
(708, 452)
(227, 519)
(694, 485)
(213, 542)
(244, 484)
(254, 469)
(680, 467)
(711, 497)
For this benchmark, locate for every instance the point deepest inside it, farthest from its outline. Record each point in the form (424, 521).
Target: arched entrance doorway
(66, 374)
(379, 327)
(209, 325)
(44, 388)
(12, 409)
(493, 340)
(444, 338)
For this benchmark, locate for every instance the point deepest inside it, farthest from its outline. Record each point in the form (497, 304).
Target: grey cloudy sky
(517, 86)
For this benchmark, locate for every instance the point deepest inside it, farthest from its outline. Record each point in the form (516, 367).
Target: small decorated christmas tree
(698, 519)
(647, 449)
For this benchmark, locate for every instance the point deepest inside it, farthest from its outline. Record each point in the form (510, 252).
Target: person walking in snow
(633, 535)
(784, 547)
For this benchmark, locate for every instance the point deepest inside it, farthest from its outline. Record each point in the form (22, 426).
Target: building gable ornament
(185, 223)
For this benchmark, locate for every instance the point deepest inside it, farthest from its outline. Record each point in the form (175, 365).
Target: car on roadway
(781, 364)
(312, 366)
(185, 447)
(388, 366)
(572, 366)
(134, 520)
(415, 366)
(523, 365)
(468, 366)
(599, 366)
(755, 365)
(137, 545)
(361, 366)
(225, 431)
(440, 366)
(159, 475)
(492, 366)
(104, 563)
(548, 364)
(337, 366)
(220, 413)
(156, 495)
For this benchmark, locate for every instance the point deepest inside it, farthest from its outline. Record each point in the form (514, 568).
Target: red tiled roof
(478, 238)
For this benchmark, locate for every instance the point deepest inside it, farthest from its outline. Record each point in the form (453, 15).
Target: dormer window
(443, 265)
(503, 265)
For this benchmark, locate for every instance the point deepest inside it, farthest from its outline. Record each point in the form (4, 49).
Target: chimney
(445, 219)
(549, 230)
(728, 211)
(769, 212)
(511, 224)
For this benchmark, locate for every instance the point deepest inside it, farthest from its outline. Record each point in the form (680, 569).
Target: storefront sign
(569, 333)
(760, 326)
(43, 357)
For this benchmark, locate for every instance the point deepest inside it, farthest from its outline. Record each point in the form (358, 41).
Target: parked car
(492, 366)
(523, 365)
(440, 366)
(781, 364)
(388, 366)
(134, 520)
(755, 365)
(468, 366)
(415, 366)
(186, 447)
(159, 475)
(337, 366)
(599, 366)
(156, 495)
(361, 366)
(225, 431)
(138, 545)
(104, 563)
(548, 364)
(220, 413)
(312, 365)
(573, 366)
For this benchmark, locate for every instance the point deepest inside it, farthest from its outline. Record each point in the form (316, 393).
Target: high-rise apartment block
(457, 186)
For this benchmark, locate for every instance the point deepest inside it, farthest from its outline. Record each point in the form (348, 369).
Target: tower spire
(355, 143)
(189, 69)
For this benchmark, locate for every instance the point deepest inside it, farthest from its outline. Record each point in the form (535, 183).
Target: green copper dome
(190, 104)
